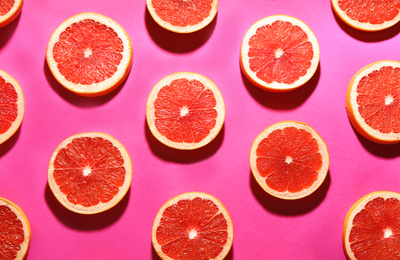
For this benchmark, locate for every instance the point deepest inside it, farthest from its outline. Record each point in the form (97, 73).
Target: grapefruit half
(89, 54)
(366, 15)
(185, 110)
(373, 102)
(372, 227)
(9, 10)
(15, 232)
(182, 16)
(279, 53)
(90, 172)
(12, 106)
(289, 160)
(193, 225)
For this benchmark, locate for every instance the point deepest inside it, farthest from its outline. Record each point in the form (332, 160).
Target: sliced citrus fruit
(279, 53)
(12, 106)
(182, 16)
(185, 110)
(193, 225)
(9, 10)
(373, 102)
(89, 54)
(372, 227)
(90, 172)
(15, 232)
(367, 15)
(289, 160)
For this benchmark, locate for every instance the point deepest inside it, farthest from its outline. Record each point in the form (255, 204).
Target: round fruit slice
(279, 53)
(12, 106)
(185, 110)
(89, 54)
(15, 232)
(372, 227)
(289, 160)
(90, 172)
(373, 102)
(182, 16)
(9, 10)
(368, 15)
(193, 225)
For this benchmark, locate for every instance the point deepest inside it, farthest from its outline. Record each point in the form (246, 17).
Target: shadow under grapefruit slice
(279, 53)
(289, 160)
(9, 10)
(15, 232)
(90, 172)
(372, 227)
(185, 110)
(373, 102)
(12, 106)
(89, 54)
(193, 225)
(182, 16)
(366, 15)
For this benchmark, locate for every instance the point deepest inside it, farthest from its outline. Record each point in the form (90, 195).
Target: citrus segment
(90, 54)
(15, 232)
(182, 16)
(9, 10)
(373, 101)
(289, 160)
(279, 53)
(368, 15)
(192, 225)
(185, 110)
(12, 106)
(90, 172)
(371, 228)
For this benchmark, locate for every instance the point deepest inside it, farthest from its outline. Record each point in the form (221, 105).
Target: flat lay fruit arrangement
(199, 129)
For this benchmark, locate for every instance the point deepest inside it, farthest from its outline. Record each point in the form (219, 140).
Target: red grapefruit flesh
(9, 10)
(15, 232)
(90, 172)
(185, 110)
(192, 225)
(372, 227)
(289, 160)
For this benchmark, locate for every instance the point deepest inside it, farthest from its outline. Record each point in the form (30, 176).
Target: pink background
(265, 227)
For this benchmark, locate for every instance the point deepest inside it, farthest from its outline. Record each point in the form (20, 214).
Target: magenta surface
(265, 228)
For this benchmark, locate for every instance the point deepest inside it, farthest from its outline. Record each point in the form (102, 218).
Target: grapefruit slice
(90, 172)
(182, 16)
(366, 15)
(185, 110)
(89, 54)
(372, 227)
(12, 106)
(373, 102)
(289, 160)
(15, 232)
(279, 53)
(193, 225)
(9, 10)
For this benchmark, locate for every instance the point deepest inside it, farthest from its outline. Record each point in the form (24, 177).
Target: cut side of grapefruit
(185, 110)
(279, 53)
(193, 225)
(89, 54)
(367, 15)
(90, 172)
(15, 232)
(373, 102)
(289, 160)
(9, 10)
(12, 106)
(372, 227)
(182, 16)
